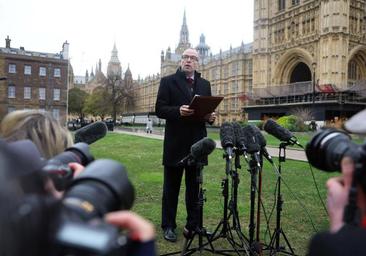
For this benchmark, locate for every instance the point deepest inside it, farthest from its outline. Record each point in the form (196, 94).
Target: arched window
(281, 5)
(300, 73)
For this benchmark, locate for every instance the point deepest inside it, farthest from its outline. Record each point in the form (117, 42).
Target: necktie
(190, 80)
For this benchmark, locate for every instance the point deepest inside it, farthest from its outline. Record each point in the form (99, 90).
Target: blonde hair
(38, 126)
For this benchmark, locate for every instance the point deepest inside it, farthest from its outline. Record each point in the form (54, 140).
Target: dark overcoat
(180, 133)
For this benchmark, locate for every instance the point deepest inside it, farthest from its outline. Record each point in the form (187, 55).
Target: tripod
(254, 168)
(274, 245)
(227, 231)
(200, 231)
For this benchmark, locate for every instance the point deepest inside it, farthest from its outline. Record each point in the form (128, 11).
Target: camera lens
(102, 187)
(327, 148)
(79, 153)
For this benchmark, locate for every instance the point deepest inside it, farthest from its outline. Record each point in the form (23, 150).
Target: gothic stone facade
(297, 43)
(325, 37)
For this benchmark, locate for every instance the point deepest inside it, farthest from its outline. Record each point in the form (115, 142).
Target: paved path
(295, 154)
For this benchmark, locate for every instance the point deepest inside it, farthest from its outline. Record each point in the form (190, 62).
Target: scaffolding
(306, 92)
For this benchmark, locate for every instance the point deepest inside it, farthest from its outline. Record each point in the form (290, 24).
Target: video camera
(76, 227)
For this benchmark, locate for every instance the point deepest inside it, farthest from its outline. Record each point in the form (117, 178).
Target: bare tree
(121, 94)
(76, 101)
(305, 114)
(97, 103)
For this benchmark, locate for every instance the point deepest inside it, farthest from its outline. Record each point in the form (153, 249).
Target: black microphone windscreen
(277, 130)
(239, 136)
(259, 136)
(91, 132)
(202, 148)
(227, 135)
(250, 139)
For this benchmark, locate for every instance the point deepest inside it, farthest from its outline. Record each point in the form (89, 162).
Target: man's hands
(210, 117)
(184, 110)
(338, 191)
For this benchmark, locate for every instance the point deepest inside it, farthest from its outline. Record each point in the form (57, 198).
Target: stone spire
(184, 37)
(202, 47)
(114, 66)
(128, 75)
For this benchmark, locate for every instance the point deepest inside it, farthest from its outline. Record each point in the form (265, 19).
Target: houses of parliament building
(306, 54)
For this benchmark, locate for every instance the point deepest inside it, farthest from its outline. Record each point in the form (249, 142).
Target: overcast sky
(140, 28)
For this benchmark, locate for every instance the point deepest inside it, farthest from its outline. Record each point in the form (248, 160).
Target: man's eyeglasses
(188, 57)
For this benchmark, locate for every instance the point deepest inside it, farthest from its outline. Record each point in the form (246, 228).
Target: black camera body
(327, 148)
(71, 226)
(73, 237)
(102, 187)
(57, 167)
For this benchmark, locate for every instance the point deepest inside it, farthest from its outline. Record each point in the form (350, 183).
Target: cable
(317, 189)
(294, 196)
(268, 231)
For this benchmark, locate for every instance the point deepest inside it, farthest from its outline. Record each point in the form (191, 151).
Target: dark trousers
(172, 182)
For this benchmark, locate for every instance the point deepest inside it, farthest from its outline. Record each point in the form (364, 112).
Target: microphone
(91, 132)
(251, 142)
(280, 132)
(250, 139)
(262, 143)
(200, 150)
(3, 78)
(239, 138)
(227, 137)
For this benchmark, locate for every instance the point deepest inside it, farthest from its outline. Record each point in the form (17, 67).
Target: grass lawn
(142, 157)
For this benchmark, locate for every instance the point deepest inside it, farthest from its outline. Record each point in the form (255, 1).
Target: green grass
(142, 158)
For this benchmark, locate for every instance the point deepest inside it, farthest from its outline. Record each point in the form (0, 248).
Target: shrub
(292, 123)
(259, 124)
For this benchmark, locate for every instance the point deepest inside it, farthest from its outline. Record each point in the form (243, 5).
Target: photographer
(38, 126)
(29, 210)
(331, 150)
(342, 238)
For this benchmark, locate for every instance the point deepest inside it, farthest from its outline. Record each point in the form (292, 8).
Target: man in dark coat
(175, 93)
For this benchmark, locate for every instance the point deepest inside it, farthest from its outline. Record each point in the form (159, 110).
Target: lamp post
(314, 67)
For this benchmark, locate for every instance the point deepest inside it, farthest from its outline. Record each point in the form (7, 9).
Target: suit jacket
(180, 133)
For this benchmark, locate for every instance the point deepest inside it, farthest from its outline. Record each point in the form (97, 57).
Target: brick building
(34, 80)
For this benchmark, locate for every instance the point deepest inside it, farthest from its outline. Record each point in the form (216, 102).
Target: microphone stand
(226, 230)
(258, 245)
(225, 192)
(254, 167)
(234, 200)
(200, 231)
(274, 245)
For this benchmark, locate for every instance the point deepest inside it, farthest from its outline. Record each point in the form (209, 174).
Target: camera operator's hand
(338, 190)
(139, 228)
(76, 168)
